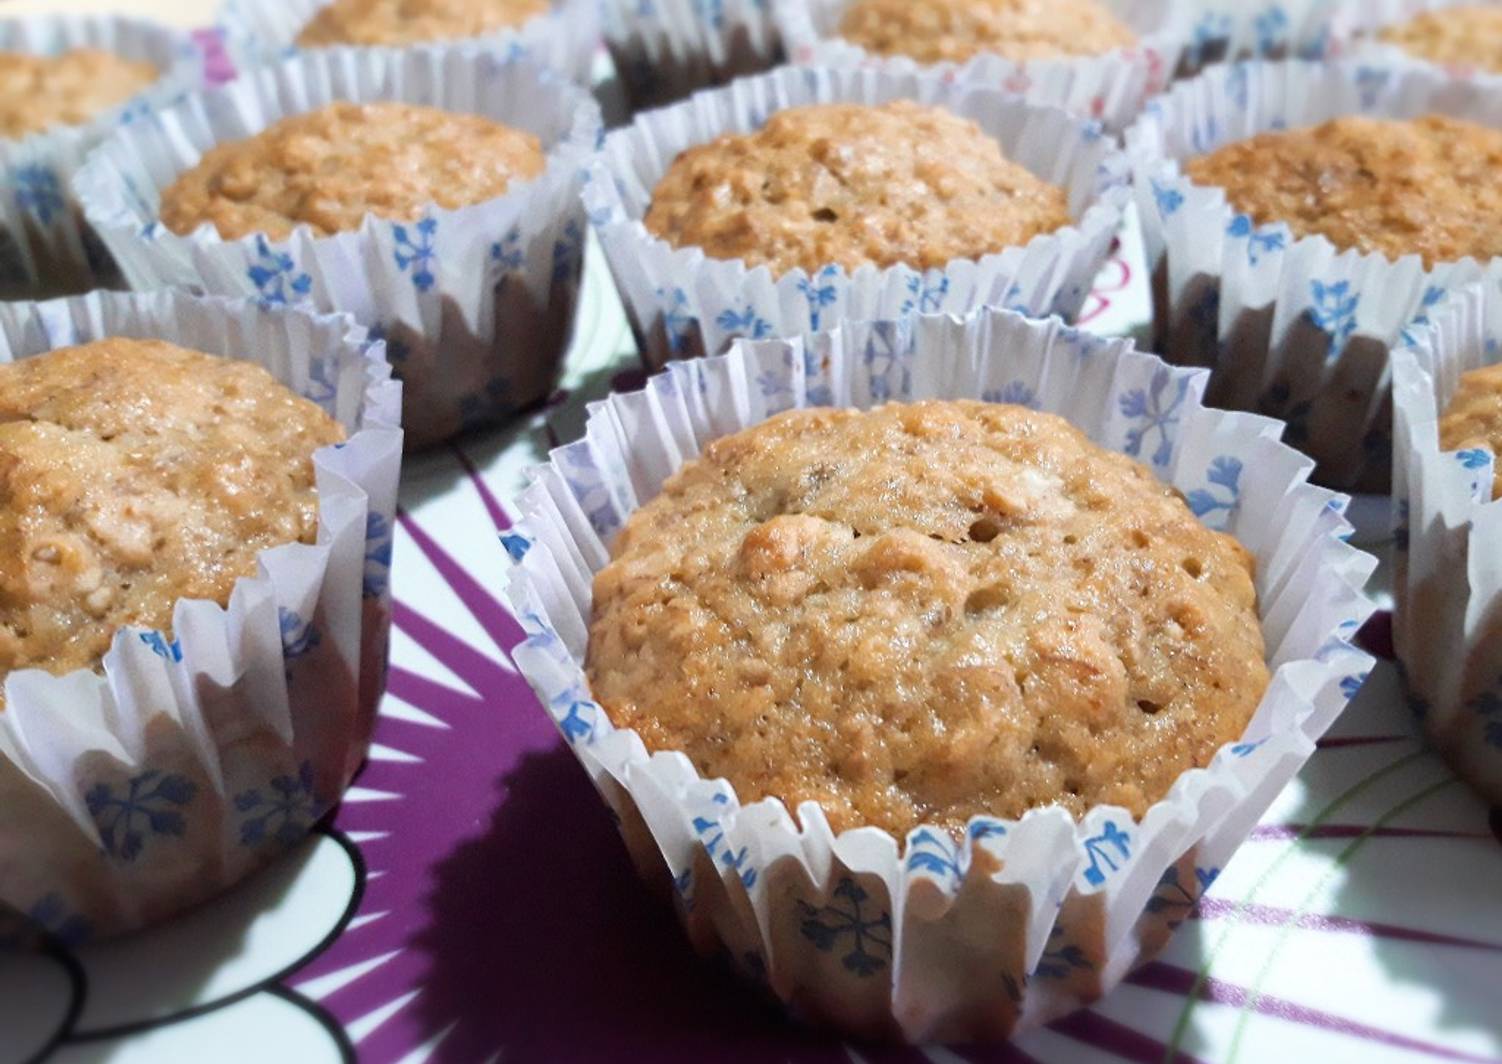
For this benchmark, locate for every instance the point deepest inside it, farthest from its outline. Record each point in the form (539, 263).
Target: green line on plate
(1181, 1026)
(1341, 860)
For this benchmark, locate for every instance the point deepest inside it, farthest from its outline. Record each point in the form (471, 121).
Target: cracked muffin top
(853, 185)
(1425, 186)
(936, 31)
(38, 92)
(134, 473)
(1468, 36)
(397, 22)
(926, 613)
(328, 168)
(1474, 417)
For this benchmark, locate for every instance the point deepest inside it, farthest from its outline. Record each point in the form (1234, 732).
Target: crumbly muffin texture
(1467, 36)
(328, 168)
(38, 92)
(397, 22)
(134, 473)
(1473, 420)
(936, 31)
(852, 185)
(1426, 186)
(926, 613)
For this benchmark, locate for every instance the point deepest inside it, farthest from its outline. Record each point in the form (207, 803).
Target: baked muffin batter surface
(38, 92)
(934, 31)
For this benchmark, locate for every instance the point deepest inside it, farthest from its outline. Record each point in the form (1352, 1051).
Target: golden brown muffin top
(134, 473)
(1474, 417)
(38, 92)
(935, 31)
(1469, 36)
(396, 22)
(328, 168)
(926, 613)
(850, 184)
(1425, 186)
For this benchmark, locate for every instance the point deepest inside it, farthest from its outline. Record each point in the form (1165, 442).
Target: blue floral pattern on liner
(1173, 900)
(846, 925)
(151, 806)
(1259, 242)
(568, 252)
(299, 637)
(888, 357)
(416, 251)
(576, 714)
(162, 647)
(677, 324)
(1016, 393)
(506, 254)
(277, 279)
(1333, 310)
(380, 540)
(1271, 28)
(820, 293)
(1060, 957)
(1154, 415)
(1433, 296)
(924, 298)
(38, 192)
(516, 545)
(1107, 853)
(283, 812)
(712, 836)
(746, 323)
(1216, 504)
(1212, 29)
(53, 915)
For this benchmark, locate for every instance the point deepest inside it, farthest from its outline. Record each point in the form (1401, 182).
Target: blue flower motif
(506, 254)
(1176, 900)
(1238, 84)
(1017, 393)
(1270, 27)
(39, 192)
(1334, 311)
(568, 252)
(1205, 137)
(1473, 458)
(935, 854)
(587, 484)
(416, 254)
(276, 277)
(298, 636)
(1155, 415)
(163, 647)
(52, 914)
(677, 323)
(713, 837)
(1350, 686)
(820, 294)
(711, 12)
(1224, 473)
(683, 886)
(380, 540)
(283, 812)
(1211, 31)
(924, 298)
(149, 806)
(516, 545)
(578, 714)
(1370, 83)
(1258, 242)
(1060, 957)
(1247, 749)
(833, 926)
(745, 323)
(1106, 851)
(1433, 296)
(887, 356)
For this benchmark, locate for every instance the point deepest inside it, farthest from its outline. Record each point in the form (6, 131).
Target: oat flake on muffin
(330, 167)
(38, 92)
(935, 31)
(1426, 186)
(853, 185)
(398, 22)
(133, 474)
(925, 613)
(1469, 36)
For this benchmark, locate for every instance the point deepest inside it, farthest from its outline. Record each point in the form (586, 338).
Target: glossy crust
(1425, 187)
(38, 92)
(852, 185)
(328, 168)
(934, 31)
(1469, 36)
(1474, 417)
(134, 473)
(396, 22)
(925, 613)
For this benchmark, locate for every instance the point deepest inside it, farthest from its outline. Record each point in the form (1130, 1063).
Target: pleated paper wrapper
(200, 754)
(45, 247)
(682, 304)
(565, 38)
(1110, 88)
(1221, 31)
(1290, 327)
(926, 939)
(476, 304)
(1448, 622)
(664, 50)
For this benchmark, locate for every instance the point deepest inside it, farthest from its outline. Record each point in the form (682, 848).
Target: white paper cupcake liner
(682, 303)
(1229, 30)
(196, 757)
(476, 304)
(1447, 626)
(1109, 88)
(664, 50)
(1026, 920)
(45, 248)
(1292, 328)
(565, 39)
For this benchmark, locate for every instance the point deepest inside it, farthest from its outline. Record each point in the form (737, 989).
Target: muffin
(935, 31)
(401, 22)
(38, 92)
(1467, 36)
(1393, 187)
(853, 185)
(327, 169)
(136, 473)
(1473, 419)
(927, 613)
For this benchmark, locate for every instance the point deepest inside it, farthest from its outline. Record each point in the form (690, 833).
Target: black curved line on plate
(78, 983)
(272, 982)
(323, 1017)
